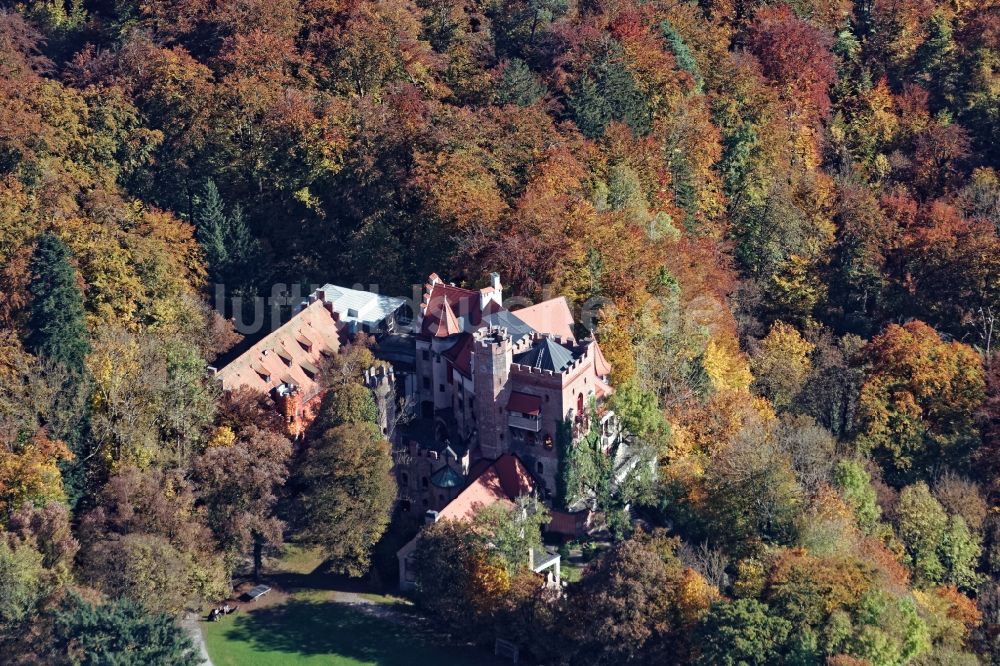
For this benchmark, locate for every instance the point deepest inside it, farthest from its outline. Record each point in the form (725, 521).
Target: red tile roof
(280, 357)
(551, 316)
(601, 365)
(447, 304)
(504, 481)
(460, 355)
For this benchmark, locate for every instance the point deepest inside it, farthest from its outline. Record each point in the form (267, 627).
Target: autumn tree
(238, 484)
(855, 484)
(48, 530)
(781, 364)
(444, 567)
(940, 548)
(637, 602)
(29, 471)
(512, 531)
(23, 584)
(144, 540)
(345, 463)
(918, 401)
(753, 496)
(348, 403)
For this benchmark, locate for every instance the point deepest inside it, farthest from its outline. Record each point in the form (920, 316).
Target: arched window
(424, 482)
(540, 467)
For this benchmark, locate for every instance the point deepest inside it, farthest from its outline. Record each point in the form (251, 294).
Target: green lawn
(306, 630)
(571, 572)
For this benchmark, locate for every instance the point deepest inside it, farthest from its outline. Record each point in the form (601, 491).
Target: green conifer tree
(607, 91)
(119, 632)
(682, 54)
(211, 229)
(589, 107)
(518, 85)
(56, 328)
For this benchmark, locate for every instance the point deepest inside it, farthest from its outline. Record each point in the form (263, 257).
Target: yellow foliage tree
(781, 364)
(29, 472)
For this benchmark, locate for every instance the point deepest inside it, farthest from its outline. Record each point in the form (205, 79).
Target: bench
(257, 592)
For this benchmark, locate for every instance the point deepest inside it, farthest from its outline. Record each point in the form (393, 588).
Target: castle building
(496, 381)
(470, 379)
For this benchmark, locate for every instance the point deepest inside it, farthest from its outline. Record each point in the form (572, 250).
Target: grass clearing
(306, 622)
(308, 631)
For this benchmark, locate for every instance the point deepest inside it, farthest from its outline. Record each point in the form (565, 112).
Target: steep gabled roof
(546, 354)
(464, 305)
(280, 358)
(552, 316)
(601, 365)
(460, 355)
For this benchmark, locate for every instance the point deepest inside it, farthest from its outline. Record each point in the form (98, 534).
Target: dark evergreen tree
(347, 462)
(121, 632)
(590, 109)
(936, 61)
(517, 24)
(684, 191)
(231, 249)
(742, 632)
(518, 85)
(57, 334)
(243, 253)
(211, 227)
(56, 328)
(607, 91)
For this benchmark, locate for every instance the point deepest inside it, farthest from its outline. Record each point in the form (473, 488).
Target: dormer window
(261, 371)
(351, 312)
(284, 356)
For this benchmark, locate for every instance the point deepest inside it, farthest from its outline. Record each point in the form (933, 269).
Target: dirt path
(191, 625)
(387, 612)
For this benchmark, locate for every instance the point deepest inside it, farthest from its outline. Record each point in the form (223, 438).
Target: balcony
(529, 423)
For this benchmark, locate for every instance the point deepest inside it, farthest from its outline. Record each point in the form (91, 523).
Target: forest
(789, 212)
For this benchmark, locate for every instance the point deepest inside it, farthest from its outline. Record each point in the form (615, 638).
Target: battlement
(379, 378)
(532, 370)
(487, 337)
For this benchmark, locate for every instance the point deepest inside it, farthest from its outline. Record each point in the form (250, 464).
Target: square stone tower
(491, 358)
